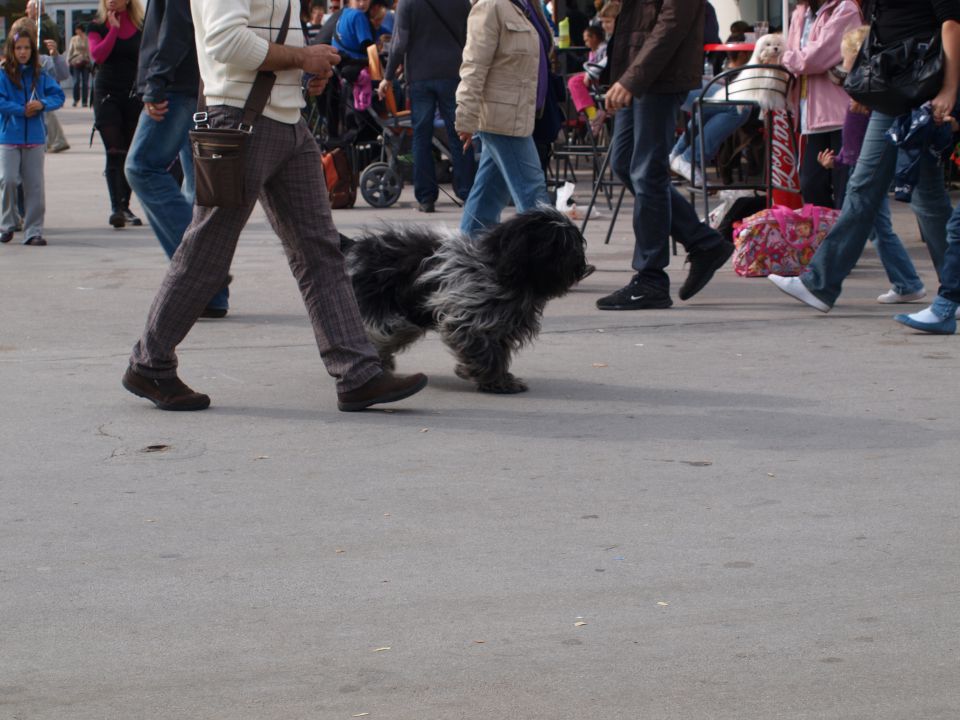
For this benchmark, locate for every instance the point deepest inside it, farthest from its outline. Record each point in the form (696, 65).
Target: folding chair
(733, 83)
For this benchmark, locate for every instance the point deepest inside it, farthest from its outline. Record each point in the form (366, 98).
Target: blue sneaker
(939, 319)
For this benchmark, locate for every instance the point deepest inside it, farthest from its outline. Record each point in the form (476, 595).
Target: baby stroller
(377, 134)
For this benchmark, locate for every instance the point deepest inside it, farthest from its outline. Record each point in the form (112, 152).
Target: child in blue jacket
(25, 94)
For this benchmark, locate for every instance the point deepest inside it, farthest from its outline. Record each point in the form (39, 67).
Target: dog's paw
(509, 385)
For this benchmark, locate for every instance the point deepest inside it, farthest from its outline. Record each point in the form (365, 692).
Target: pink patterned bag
(780, 240)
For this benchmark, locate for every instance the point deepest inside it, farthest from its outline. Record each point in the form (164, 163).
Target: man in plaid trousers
(235, 40)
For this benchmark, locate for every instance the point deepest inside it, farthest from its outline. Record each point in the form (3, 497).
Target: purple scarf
(546, 42)
(854, 130)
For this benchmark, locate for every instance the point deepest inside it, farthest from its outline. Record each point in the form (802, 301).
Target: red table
(729, 47)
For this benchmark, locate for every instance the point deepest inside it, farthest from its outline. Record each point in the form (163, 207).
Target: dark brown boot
(165, 393)
(384, 388)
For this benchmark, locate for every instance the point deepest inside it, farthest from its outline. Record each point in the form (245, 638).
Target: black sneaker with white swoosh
(638, 295)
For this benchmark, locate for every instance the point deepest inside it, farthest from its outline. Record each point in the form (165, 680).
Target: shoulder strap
(459, 40)
(262, 86)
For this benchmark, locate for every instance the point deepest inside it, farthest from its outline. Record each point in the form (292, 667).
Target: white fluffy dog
(764, 85)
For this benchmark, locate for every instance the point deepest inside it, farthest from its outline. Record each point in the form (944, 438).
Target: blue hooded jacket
(15, 127)
(916, 135)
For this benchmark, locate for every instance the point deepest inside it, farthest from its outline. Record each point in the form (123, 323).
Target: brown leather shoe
(384, 388)
(165, 393)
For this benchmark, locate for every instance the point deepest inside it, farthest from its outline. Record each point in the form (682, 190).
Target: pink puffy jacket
(826, 102)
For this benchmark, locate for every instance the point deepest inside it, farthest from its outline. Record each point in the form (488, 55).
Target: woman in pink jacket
(813, 48)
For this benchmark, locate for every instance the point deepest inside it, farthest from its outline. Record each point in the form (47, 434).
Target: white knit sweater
(232, 41)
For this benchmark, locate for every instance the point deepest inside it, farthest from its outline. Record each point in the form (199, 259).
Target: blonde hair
(134, 10)
(610, 9)
(853, 39)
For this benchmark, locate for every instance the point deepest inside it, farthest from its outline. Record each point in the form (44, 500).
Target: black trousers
(818, 185)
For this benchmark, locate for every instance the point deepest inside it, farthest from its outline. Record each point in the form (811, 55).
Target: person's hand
(157, 111)
(382, 88)
(466, 138)
(51, 46)
(942, 105)
(113, 19)
(954, 123)
(33, 107)
(858, 108)
(618, 97)
(319, 60)
(316, 85)
(826, 158)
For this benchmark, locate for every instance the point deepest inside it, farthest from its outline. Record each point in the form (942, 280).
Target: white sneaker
(698, 178)
(681, 167)
(795, 288)
(684, 169)
(892, 297)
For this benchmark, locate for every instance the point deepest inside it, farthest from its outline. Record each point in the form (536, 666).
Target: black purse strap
(259, 93)
(460, 41)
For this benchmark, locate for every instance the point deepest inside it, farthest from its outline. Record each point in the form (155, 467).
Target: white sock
(927, 315)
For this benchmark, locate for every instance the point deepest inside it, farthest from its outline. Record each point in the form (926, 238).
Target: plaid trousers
(282, 170)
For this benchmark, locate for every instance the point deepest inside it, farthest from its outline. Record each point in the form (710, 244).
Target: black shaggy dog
(485, 295)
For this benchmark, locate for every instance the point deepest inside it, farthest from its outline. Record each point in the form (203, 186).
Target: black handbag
(218, 153)
(898, 77)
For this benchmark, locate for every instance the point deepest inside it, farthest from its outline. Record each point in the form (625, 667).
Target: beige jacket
(498, 77)
(79, 53)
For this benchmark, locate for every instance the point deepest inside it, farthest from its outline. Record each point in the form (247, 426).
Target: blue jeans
(719, 123)
(896, 262)
(950, 271)
(154, 148)
(640, 156)
(841, 248)
(509, 168)
(81, 84)
(426, 96)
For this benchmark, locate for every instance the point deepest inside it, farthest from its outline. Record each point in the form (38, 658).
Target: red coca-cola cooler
(784, 161)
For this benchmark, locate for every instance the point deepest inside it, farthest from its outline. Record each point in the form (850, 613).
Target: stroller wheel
(380, 185)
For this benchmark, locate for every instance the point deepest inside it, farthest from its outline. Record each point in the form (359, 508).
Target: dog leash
(456, 201)
(463, 205)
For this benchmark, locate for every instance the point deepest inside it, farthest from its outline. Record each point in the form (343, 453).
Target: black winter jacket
(168, 52)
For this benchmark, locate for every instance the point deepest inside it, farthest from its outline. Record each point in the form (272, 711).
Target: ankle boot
(116, 186)
(126, 194)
